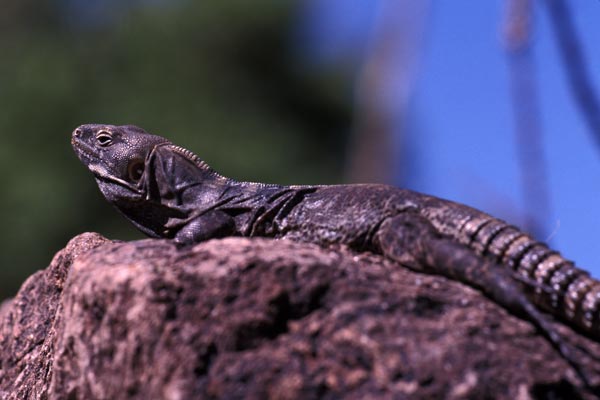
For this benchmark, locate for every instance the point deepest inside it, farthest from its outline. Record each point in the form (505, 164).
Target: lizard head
(115, 154)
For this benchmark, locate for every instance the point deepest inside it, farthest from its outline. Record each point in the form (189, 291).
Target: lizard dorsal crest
(196, 160)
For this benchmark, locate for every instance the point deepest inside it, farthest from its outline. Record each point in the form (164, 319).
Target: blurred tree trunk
(384, 88)
(575, 65)
(526, 110)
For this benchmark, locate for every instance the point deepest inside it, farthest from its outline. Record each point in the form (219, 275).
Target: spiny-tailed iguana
(168, 192)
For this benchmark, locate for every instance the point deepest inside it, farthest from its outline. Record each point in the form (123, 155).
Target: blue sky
(460, 133)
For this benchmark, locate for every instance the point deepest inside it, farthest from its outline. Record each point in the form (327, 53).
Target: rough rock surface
(240, 318)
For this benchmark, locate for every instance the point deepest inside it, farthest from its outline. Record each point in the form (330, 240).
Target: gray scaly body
(168, 192)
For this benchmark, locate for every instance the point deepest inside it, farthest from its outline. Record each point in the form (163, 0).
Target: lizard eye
(104, 138)
(135, 170)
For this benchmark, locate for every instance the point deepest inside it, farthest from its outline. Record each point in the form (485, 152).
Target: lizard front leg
(411, 240)
(212, 224)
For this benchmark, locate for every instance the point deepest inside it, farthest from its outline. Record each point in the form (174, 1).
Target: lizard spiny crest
(204, 166)
(196, 160)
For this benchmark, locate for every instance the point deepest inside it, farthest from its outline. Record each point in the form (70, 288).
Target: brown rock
(240, 318)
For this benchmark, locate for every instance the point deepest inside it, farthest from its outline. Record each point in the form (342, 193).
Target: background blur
(493, 104)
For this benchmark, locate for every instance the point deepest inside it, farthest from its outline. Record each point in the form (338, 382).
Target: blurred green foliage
(216, 77)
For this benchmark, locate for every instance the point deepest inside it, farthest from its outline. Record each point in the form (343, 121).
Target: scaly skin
(168, 192)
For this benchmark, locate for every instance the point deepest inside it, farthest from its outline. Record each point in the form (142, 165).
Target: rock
(258, 318)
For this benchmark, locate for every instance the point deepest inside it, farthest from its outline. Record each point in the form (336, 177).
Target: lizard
(167, 191)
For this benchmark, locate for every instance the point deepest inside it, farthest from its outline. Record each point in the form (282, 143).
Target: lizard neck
(201, 164)
(211, 174)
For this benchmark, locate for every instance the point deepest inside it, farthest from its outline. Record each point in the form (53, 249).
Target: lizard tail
(558, 286)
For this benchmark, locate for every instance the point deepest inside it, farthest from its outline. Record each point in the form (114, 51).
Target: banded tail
(561, 288)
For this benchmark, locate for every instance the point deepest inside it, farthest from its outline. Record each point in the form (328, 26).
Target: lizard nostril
(77, 132)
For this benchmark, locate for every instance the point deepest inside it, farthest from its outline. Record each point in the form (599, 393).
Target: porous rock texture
(257, 318)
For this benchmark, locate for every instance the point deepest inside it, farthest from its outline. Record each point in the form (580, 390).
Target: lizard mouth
(92, 161)
(83, 150)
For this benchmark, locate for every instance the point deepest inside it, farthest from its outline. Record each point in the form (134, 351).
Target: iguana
(168, 192)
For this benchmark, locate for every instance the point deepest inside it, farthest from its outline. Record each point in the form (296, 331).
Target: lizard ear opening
(135, 170)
